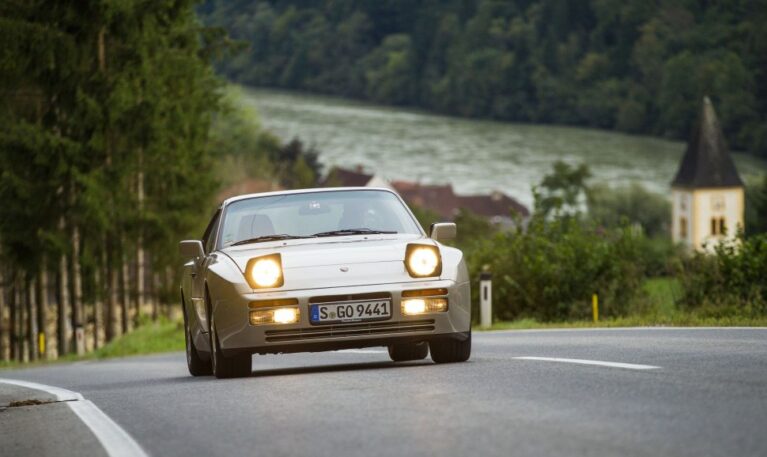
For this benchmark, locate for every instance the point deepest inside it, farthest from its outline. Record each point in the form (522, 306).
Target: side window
(209, 238)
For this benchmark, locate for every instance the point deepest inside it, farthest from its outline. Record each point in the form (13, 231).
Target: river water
(475, 156)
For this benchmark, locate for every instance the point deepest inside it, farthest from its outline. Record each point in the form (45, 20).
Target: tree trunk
(77, 295)
(13, 334)
(125, 296)
(21, 320)
(114, 300)
(155, 295)
(30, 289)
(167, 287)
(3, 347)
(62, 308)
(42, 310)
(140, 260)
(109, 309)
(98, 312)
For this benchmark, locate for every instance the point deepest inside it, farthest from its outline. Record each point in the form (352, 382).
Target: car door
(197, 272)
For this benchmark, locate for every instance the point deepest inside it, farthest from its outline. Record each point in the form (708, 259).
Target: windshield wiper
(260, 239)
(355, 231)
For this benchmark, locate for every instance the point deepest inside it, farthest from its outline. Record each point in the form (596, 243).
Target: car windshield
(315, 214)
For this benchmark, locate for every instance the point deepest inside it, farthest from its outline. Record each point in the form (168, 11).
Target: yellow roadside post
(41, 343)
(595, 307)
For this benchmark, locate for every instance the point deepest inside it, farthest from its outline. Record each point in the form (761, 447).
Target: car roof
(301, 191)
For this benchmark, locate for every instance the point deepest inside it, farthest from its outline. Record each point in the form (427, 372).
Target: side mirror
(443, 231)
(190, 249)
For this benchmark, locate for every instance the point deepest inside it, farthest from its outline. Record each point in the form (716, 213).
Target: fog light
(415, 306)
(289, 315)
(286, 315)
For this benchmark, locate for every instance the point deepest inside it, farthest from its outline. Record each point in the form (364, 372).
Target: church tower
(707, 193)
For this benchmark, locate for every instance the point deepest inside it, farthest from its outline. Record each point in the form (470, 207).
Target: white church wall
(712, 205)
(681, 204)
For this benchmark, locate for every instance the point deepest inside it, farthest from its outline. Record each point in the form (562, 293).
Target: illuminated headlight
(423, 260)
(289, 315)
(264, 272)
(416, 306)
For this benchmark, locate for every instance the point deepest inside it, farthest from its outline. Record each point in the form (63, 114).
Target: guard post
(485, 299)
(595, 307)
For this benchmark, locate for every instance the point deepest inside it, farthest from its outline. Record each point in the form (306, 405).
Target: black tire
(197, 366)
(236, 366)
(408, 351)
(450, 350)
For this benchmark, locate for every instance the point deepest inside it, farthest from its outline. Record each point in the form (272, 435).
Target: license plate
(328, 313)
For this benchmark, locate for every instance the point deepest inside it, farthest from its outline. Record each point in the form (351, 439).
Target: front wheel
(450, 350)
(236, 366)
(408, 351)
(197, 366)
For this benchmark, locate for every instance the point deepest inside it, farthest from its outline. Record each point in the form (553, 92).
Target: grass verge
(151, 337)
(675, 319)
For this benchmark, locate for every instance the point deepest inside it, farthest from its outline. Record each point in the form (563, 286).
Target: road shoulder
(33, 422)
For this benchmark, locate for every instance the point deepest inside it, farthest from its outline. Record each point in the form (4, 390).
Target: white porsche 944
(319, 270)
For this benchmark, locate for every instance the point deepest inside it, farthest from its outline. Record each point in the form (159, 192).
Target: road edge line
(58, 392)
(115, 440)
(600, 363)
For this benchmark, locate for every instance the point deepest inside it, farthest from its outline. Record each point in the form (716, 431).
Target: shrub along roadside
(731, 282)
(550, 271)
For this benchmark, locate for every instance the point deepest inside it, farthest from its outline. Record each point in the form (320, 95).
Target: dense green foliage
(756, 206)
(612, 206)
(104, 128)
(100, 96)
(243, 150)
(550, 270)
(732, 281)
(632, 65)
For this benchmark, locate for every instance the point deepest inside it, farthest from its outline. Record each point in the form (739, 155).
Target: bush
(732, 281)
(550, 271)
(756, 206)
(612, 206)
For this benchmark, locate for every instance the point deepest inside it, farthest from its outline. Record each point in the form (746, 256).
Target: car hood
(347, 250)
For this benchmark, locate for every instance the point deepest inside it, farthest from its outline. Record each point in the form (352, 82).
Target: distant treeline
(633, 65)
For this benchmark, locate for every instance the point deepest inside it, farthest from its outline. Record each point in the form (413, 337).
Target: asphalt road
(707, 397)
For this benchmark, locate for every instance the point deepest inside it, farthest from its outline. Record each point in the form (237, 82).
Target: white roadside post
(80, 340)
(485, 299)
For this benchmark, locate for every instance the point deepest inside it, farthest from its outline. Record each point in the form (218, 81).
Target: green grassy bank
(152, 337)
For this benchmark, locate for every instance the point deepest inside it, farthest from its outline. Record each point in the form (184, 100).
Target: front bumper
(236, 334)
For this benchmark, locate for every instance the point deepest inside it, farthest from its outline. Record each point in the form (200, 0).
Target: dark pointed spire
(707, 161)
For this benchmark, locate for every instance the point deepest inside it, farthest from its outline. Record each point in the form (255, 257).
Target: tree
(563, 192)
(756, 207)
(108, 110)
(615, 206)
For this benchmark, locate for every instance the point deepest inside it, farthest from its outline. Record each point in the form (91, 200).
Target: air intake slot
(342, 330)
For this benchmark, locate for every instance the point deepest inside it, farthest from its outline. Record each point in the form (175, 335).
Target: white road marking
(629, 366)
(362, 351)
(607, 329)
(115, 440)
(60, 394)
